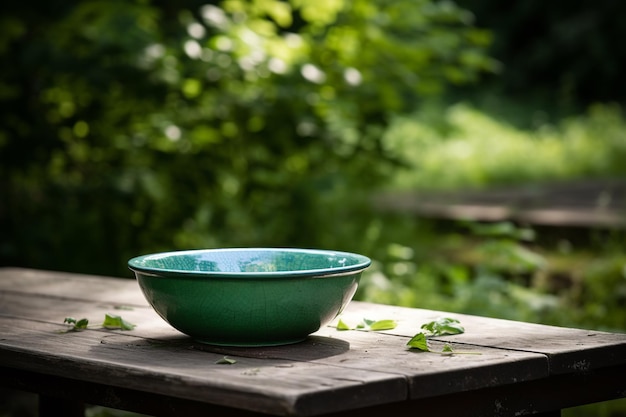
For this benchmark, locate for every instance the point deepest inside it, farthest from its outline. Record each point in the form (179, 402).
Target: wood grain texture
(567, 349)
(332, 371)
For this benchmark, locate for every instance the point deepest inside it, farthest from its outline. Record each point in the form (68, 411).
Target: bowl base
(251, 344)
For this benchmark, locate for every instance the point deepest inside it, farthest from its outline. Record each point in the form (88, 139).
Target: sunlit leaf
(341, 325)
(116, 322)
(225, 361)
(443, 326)
(419, 342)
(383, 325)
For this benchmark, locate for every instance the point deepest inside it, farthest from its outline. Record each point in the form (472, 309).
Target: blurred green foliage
(135, 126)
(461, 146)
(501, 270)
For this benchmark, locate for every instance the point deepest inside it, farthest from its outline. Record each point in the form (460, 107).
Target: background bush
(130, 127)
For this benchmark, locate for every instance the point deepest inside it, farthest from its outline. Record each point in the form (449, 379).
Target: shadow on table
(313, 347)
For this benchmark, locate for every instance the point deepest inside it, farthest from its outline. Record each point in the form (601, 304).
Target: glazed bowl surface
(249, 296)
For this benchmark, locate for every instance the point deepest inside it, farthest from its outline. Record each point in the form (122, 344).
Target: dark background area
(568, 54)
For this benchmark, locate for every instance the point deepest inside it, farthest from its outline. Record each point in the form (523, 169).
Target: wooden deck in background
(586, 204)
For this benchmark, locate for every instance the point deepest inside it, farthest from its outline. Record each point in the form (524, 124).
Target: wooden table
(522, 368)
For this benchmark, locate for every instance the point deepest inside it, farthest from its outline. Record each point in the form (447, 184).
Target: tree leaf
(443, 326)
(383, 325)
(447, 349)
(77, 325)
(368, 322)
(368, 325)
(116, 322)
(341, 325)
(81, 324)
(419, 342)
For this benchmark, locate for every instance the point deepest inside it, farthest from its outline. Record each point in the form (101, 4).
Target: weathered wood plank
(329, 372)
(275, 386)
(118, 291)
(54, 309)
(430, 374)
(566, 348)
(352, 356)
(529, 398)
(562, 346)
(537, 397)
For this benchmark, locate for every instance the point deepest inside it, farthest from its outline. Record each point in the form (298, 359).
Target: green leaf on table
(383, 325)
(225, 361)
(77, 325)
(438, 327)
(368, 325)
(367, 322)
(341, 325)
(419, 342)
(443, 326)
(116, 322)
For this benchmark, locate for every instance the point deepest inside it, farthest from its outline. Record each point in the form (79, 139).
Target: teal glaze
(249, 296)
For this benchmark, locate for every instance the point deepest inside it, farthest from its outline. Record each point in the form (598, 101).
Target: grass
(460, 146)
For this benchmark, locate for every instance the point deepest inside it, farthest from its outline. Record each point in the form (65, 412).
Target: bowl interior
(250, 262)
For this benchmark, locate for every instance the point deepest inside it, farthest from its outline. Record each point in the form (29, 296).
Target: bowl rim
(362, 263)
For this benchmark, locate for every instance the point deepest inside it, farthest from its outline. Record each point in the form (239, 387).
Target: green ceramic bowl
(249, 296)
